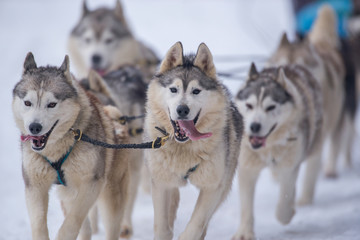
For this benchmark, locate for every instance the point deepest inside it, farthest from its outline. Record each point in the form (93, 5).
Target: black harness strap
(157, 143)
(124, 119)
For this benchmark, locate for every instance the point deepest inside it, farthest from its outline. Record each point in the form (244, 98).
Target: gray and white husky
(188, 101)
(282, 112)
(47, 103)
(103, 41)
(319, 53)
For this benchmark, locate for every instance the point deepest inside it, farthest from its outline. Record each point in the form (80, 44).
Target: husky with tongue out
(282, 109)
(186, 100)
(47, 103)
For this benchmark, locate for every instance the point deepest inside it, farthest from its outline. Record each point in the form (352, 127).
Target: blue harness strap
(57, 166)
(191, 170)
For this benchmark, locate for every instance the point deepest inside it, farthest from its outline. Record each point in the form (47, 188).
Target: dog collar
(57, 166)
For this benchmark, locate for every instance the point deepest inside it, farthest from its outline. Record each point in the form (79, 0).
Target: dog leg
(348, 141)
(112, 205)
(247, 182)
(313, 165)
(135, 164)
(94, 220)
(85, 230)
(285, 208)
(77, 209)
(37, 199)
(173, 206)
(207, 203)
(161, 203)
(335, 145)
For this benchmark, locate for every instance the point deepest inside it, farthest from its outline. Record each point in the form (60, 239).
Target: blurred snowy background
(229, 28)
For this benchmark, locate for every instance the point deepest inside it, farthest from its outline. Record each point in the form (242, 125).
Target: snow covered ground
(228, 27)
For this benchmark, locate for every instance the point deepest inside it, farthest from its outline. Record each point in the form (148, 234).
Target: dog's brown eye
(249, 106)
(27, 103)
(51, 105)
(196, 91)
(173, 90)
(270, 108)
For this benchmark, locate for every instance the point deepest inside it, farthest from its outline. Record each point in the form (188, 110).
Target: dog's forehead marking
(261, 94)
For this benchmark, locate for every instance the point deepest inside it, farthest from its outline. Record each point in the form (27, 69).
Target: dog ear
(29, 62)
(119, 12)
(285, 82)
(65, 67)
(85, 9)
(284, 42)
(97, 83)
(204, 61)
(173, 58)
(253, 73)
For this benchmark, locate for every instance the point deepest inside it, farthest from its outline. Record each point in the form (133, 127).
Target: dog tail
(324, 29)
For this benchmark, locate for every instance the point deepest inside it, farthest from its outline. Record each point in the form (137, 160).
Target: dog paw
(126, 232)
(244, 235)
(284, 215)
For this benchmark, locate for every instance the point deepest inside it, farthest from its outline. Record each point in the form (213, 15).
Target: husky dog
(102, 41)
(125, 89)
(319, 54)
(282, 112)
(186, 100)
(47, 102)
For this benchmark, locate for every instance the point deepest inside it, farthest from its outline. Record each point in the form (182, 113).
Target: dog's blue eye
(196, 91)
(51, 105)
(173, 90)
(270, 108)
(88, 40)
(27, 103)
(249, 106)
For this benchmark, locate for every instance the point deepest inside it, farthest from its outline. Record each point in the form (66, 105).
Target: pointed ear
(29, 62)
(85, 9)
(97, 83)
(253, 71)
(204, 61)
(285, 82)
(119, 12)
(284, 40)
(65, 67)
(173, 58)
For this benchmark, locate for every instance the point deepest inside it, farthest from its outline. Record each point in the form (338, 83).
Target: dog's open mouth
(39, 142)
(257, 141)
(101, 71)
(185, 129)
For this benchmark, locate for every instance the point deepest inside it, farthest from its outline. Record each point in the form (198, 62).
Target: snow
(228, 27)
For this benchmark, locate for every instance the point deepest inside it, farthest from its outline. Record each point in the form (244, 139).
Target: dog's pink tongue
(28, 137)
(101, 72)
(190, 130)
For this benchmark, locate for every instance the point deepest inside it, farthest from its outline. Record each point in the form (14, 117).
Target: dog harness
(191, 170)
(57, 166)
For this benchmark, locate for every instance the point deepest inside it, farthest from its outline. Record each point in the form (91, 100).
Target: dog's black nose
(35, 128)
(255, 127)
(182, 110)
(96, 59)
